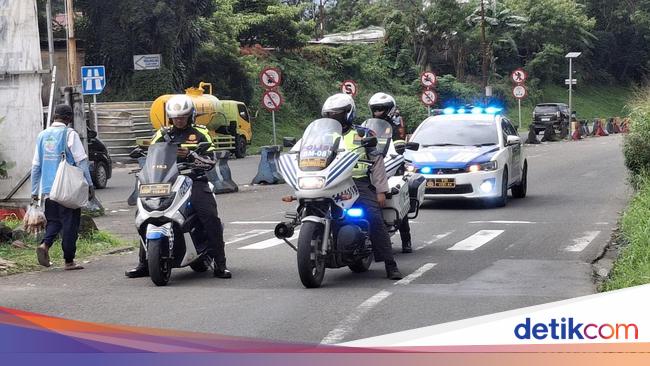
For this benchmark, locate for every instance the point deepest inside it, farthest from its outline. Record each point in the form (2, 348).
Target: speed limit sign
(519, 92)
(349, 87)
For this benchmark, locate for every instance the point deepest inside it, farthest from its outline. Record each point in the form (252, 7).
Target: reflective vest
(189, 137)
(352, 142)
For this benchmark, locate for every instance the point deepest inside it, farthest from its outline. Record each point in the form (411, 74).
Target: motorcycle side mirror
(92, 134)
(136, 153)
(414, 146)
(202, 147)
(370, 141)
(289, 141)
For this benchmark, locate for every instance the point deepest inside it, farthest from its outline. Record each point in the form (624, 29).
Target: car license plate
(155, 190)
(546, 119)
(441, 183)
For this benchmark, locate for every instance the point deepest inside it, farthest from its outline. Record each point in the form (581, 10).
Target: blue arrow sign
(93, 80)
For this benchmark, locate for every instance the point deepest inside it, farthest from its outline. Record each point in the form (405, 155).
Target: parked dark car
(550, 114)
(101, 166)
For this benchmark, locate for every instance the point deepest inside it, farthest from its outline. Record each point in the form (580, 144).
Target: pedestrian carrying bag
(70, 188)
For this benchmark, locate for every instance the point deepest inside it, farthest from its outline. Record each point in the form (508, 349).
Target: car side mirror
(289, 142)
(513, 140)
(370, 141)
(414, 146)
(92, 134)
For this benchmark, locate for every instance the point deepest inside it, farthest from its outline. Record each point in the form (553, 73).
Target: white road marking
(502, 222)
(435, 239)
(254, 222)
(269, 243)
(582, 242)
(477, 240)
(348, 324)
(247, 235)
(413, 276)
(601, 223)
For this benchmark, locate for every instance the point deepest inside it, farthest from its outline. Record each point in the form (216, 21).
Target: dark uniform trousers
(379, 237)
(205, 206)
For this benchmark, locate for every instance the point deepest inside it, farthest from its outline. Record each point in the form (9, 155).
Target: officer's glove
(202, 162)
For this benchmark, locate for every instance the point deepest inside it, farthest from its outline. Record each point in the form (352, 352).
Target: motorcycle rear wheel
(311, 265)
(159, 268)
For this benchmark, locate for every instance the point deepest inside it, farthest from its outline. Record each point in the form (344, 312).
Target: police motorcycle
(169, 230)
(406, 190)
(333, 230)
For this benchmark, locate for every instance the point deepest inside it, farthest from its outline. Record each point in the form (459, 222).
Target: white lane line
(582, 242)
(601, 223)
(347, 325)
(477, 240)
(435, 239)
(254, 222)
(503, 222)
(413, 276)
(269, 243)
(248, 235)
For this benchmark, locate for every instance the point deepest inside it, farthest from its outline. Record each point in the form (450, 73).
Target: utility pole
(73, 78)
(484, 50)
(50, 36)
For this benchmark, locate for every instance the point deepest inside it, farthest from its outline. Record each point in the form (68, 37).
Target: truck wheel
(100, 175)
(240, 146)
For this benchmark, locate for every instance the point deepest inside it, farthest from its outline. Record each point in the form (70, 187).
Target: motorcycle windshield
(382, 129)
(160, 166)
(319, 144)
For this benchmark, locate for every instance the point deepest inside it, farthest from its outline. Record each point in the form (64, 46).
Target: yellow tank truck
(228, 121)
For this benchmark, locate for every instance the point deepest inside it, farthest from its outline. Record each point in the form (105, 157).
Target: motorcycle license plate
(441, 183)
(155, 190)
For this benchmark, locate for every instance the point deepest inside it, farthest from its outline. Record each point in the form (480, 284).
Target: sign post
(519, 92)
(271, 101)
(93, 82)
(571, 82)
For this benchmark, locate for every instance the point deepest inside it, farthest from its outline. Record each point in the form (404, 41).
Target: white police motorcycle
(169, 230)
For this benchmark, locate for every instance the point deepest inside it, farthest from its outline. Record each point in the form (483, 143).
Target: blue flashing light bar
(477, 110)
(474, 110)
(426, 170)
(354, 212)
(449, 110)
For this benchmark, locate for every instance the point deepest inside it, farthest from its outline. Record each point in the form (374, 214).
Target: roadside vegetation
(22, 257)
(633, 264)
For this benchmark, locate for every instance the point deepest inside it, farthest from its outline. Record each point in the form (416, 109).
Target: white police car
(469, 153)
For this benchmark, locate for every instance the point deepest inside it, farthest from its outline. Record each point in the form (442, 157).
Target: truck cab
(239, 124)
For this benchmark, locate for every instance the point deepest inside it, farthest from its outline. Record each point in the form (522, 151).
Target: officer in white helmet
(181, 114)
(371, 180)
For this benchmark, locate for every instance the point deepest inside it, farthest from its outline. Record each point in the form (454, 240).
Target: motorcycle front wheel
(159, 268)
(311, 265)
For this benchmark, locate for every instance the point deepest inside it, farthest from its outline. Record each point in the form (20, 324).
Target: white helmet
(340, 107)
(179, 106)
(383, 102)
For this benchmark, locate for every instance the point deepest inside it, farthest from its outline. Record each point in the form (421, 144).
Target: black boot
(221, 271)
(141, 270)
(391, 270)
(406, 247)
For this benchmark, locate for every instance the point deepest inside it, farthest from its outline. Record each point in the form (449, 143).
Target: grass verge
(632, 268)
(24, 259)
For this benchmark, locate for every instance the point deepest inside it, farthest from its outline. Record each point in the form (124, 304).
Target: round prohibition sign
(270, 77)
(519, 76)
(272, 100)
(428, 79)
(349, 87)
(429, 97)
(519, 92)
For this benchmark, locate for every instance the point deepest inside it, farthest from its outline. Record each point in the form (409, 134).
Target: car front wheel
(100, 175)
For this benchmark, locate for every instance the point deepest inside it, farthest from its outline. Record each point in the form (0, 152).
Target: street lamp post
(571, 56)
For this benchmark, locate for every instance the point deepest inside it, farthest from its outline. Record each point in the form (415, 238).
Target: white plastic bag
(34, 220)
(70, 188)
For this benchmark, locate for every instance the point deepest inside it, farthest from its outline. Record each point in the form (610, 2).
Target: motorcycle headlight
(311, 182)
(158, 203)
(490, 165)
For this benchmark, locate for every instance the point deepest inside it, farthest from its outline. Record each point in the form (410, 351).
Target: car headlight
(311, 182)
(490, 165)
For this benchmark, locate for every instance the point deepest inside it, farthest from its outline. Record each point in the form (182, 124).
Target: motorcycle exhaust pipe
(284, 230)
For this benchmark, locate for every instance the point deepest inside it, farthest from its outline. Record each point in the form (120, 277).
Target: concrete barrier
(220, 176)
(267, 172)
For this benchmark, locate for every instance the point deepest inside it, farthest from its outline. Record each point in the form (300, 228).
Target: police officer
(373, 188)
(180, 110)
(383, 106)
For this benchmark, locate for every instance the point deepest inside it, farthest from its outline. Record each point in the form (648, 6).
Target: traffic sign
(349, 87)
(270, 77)
(519, 76)
(429, 97)
(519, 92)
(573, 81)
(93, 80)
(147, 62)
(428, 79)
(272, 100)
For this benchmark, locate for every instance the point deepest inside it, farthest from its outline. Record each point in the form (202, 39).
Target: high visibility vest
(352, 142)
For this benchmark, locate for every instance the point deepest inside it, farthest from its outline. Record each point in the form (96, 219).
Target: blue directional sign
(93, 79)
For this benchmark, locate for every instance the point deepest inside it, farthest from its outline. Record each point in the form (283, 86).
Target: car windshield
(160, 166)
(319, 144)
(546, 109)
(466, 132)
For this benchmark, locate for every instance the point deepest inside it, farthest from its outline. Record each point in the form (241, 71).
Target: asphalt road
(533, 251)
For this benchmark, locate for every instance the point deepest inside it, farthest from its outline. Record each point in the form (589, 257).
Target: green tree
(272, 24)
